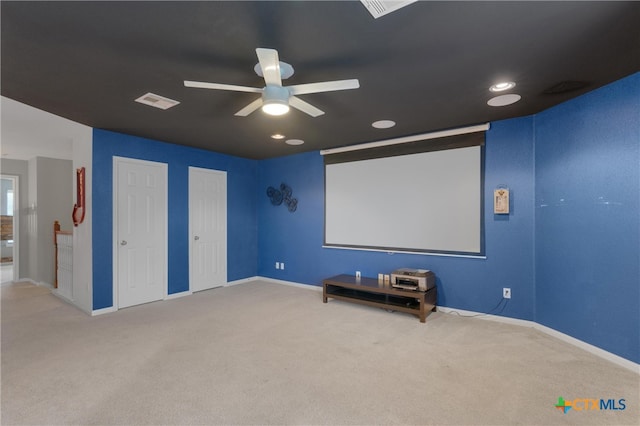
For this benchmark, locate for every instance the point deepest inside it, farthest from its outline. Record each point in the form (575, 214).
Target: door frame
(16, 224)
(165, 250)
(226, 226)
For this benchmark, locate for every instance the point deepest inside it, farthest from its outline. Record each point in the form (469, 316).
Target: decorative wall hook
(79, 207)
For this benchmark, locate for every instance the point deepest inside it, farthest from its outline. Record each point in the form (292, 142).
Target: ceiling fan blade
(270, 65)
(249, 108)
(327, 86)
(218, 86)
(304, 106)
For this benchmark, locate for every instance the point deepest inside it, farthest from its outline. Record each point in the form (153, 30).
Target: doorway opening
(8, 228)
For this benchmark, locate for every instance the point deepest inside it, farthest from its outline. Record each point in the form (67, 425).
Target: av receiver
(413, 279)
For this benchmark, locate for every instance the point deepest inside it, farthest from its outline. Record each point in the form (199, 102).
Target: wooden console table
(368, 291)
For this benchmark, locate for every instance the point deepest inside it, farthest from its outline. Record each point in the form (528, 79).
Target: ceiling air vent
(157, 101)
(379, 8)
(565, 87)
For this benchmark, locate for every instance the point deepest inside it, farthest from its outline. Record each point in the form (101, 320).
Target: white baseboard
(16, 280)
(242, 281)
(611, 357)
(29, 280)
(178, 295)
(103, 311)
(22, 280)
(70, 301)
(291, 283)
(622, 362)
(59, 295)
(88, 312)
(480, 315)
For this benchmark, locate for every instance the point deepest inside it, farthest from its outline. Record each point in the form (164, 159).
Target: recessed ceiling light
(294, 141)
(383, 124)
(504, 100)
(277, 136)
(500, 87)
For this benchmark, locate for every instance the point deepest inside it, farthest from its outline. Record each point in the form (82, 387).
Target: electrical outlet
(506, 293)
(281, 265)
(357, 274)
(277, 265)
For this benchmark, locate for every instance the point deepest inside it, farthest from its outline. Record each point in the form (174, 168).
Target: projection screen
(424, 202)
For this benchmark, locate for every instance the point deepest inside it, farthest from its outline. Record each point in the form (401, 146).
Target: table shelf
(369, 292)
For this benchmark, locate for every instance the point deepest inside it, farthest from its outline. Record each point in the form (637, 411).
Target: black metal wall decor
(284, 194)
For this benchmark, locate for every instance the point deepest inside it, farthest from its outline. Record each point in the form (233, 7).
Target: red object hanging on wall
(79, 207)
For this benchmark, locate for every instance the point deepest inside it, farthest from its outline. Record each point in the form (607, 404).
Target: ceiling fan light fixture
(275, 100)
(275, 107)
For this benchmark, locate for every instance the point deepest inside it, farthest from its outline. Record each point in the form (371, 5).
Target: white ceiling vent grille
(157, 101)
(379, 8)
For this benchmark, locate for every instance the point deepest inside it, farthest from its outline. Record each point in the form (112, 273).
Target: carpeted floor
(265, 353)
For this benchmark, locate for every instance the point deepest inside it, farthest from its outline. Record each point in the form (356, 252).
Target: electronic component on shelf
(413, 279)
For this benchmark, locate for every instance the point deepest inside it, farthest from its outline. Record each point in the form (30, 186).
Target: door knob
(123, 243)
(196, 238)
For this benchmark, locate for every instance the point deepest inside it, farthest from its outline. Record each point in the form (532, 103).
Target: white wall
(45, 150)
(55, 202)
(50, 200)
(82, 236)
(28, 132)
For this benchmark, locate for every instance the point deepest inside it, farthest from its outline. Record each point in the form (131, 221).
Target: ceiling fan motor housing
(286, 70)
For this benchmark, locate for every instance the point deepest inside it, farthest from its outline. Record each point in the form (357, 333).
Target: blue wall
(241, 214)
(473, 284)
(587, 218)
(569, 249)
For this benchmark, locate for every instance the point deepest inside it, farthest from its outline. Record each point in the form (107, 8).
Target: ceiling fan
(276, 98)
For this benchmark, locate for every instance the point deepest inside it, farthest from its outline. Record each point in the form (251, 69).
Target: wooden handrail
(56, 228)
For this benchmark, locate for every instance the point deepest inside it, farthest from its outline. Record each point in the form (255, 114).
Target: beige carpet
(264, 353)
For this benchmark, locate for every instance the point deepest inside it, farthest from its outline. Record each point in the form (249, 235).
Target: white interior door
(207, 228)
(140, 228)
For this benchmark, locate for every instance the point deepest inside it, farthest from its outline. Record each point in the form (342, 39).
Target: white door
(207, 228)
(140, 231)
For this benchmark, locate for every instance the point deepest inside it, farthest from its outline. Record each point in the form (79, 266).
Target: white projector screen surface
(424, 202)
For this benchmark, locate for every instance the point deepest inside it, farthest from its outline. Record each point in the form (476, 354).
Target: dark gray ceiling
(427, 66)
